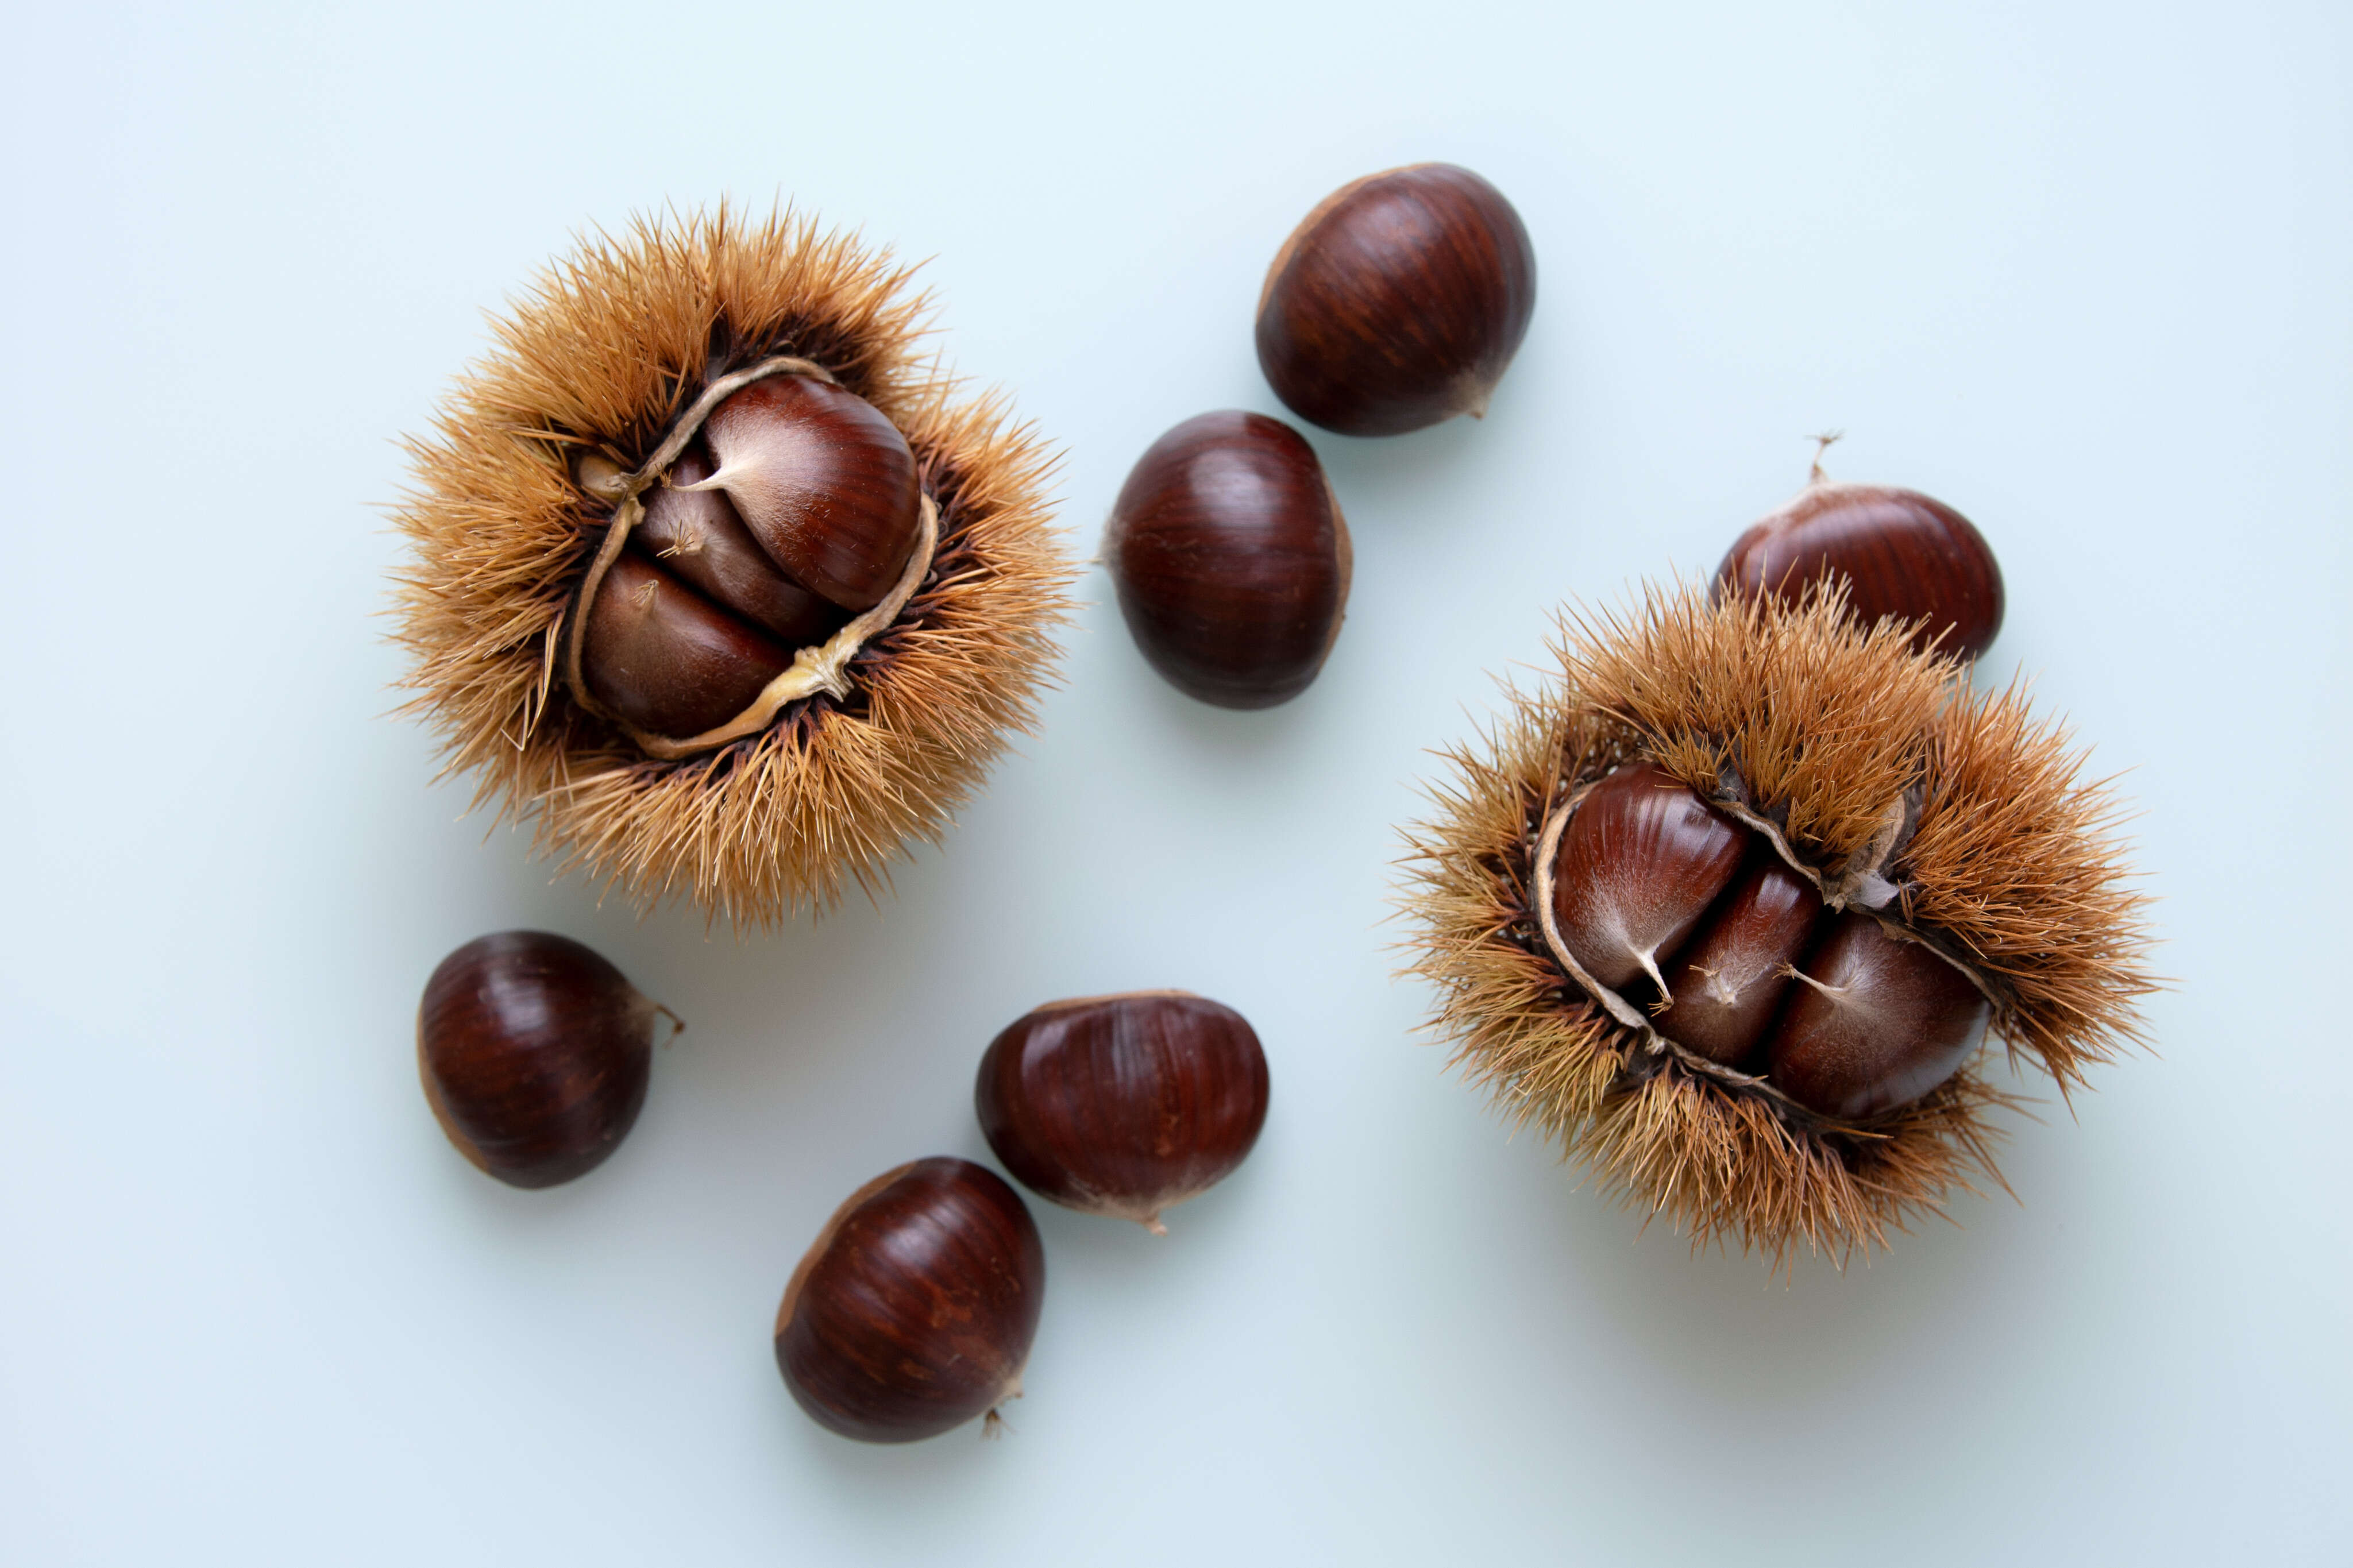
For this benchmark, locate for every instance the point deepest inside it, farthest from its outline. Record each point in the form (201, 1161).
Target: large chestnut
(1637, 866)
(1123, 1105)
(1901, 554)
(1397, 303)
(1231, 559)
(914, 1309)
(1874, 1022)
(534, 1052)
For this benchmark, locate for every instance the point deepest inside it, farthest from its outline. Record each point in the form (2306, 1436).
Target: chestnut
(1231, 559)
(1725, 986)
(792, 508)
(1901, 553)
(1397, 303)
(534, 1052)
(914, 1309)
(1877, 1021)
(1638, 864)
(1123, 1105)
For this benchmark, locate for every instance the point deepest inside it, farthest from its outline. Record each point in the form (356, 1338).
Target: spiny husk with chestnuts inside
(1883, 772)
(602, 363)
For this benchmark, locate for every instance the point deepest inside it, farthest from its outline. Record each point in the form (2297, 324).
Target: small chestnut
(1231, 559)
(1637, 866)
(914, 1309)
(1397, 303)
(1123, 1105)
(1724, 987)
(534, 1053)
(1901, 553)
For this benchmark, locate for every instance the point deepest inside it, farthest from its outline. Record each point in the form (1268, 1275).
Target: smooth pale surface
(2078, 270)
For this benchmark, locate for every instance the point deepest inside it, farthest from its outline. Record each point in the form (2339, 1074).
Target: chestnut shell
(1902, 553)
(1231, 559)
(535, 1054)
(1397, 303)
(914, 1309)
(1123, 1105)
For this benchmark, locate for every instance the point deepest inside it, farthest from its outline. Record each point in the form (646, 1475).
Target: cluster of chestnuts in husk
(714, 579)
(1395, 304)
(914, 1308)
(1732, 905)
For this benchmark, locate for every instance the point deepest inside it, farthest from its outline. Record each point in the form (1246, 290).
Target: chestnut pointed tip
(1152, 1223)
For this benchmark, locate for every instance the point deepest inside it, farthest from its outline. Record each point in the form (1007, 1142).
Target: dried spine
(1954, 815)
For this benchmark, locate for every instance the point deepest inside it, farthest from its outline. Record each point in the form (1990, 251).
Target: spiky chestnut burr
(667, 598)
(1920, 813)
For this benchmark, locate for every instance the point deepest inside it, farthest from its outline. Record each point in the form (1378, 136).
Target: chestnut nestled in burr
(534, 1052)
(1730, 903)
(914, 1309)
(1875, 1021)
(1123, 1105)
(1397, 303)
(794, 506)
(1901, 554)
(1231, 559)
(715, 573)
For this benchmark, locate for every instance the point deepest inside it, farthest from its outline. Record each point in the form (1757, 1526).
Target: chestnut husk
(1901, 554)
(914, 1308)
(534, 1053)
(597, 383)
(1906, 793)
(1124, 1105)
(1231, 559)
(1397, 303)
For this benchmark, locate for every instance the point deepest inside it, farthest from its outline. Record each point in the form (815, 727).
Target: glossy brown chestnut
(1123, 1105)
(914, 1309)
(1875, 1022)
(1398, 303)
(534, 1053)
(1638, 864)
(1723, 985)
(796, 506)
(1902, 554)
(1231, 559)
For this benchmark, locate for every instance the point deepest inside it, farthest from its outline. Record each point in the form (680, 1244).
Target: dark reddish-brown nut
(1722, 989)
(1638, 864)
(1123, 1105)
(914, 1309)
(534, 1053)
(794, 507)
(1397, 303)
(1875, 1022)
(667, 659)
(1901, 553)
(1231, 559)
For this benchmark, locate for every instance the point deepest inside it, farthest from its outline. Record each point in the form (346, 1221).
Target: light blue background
(2083, 271)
